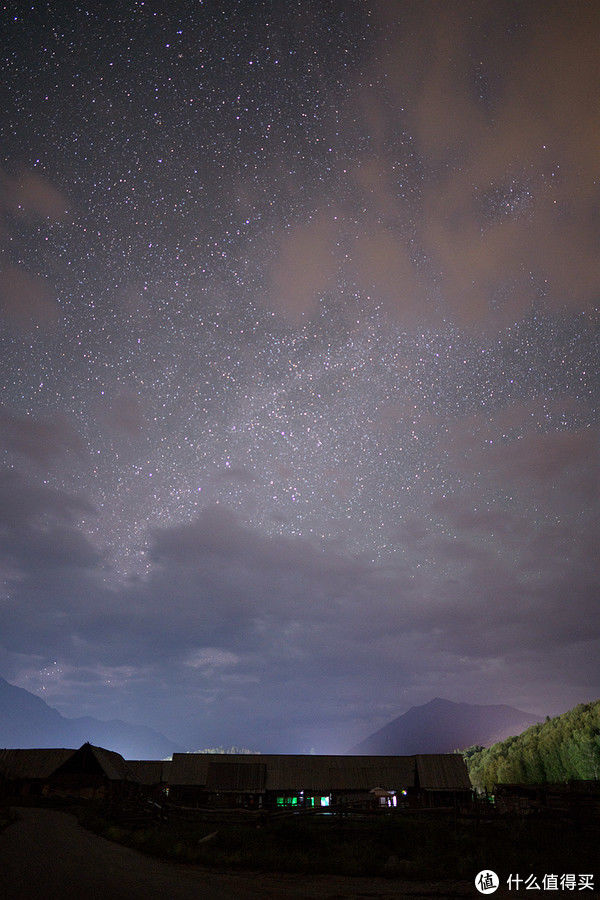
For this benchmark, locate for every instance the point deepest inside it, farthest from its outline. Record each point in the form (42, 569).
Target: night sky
(299, 323)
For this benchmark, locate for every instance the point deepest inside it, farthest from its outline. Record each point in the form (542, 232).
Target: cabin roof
(149, 771)
(15, 764)
(111, 764)
(255, 773)
(251, 773)
(442, 772)
(114, 766)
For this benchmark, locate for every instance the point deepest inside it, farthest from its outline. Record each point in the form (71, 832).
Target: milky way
(334, 272)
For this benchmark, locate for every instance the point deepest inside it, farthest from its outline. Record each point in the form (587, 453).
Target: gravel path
(47, 855)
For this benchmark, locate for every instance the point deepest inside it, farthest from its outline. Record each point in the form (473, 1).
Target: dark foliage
(557, 750)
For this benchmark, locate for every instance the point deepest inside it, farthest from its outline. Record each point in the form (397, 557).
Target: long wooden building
(334, 782)
(251, 781)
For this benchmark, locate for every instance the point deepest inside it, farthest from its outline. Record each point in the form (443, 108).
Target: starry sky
(299, 337)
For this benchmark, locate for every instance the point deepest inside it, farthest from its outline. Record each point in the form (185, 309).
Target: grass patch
(408, 847)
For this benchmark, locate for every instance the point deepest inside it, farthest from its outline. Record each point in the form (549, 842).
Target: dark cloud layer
(234, 616)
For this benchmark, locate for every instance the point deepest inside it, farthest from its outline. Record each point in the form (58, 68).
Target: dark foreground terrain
(47, 853)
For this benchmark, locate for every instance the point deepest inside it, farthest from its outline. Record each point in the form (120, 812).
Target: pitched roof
(253, 773)
(236, 776)
(339, 773)
(114, 766)
(256, 773)
(442, 772)
(28, 764)
(111, 764)
(189, 768)
(149, 771)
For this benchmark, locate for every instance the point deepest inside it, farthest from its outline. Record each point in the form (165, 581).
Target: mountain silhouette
(27, 721)
(442, 726)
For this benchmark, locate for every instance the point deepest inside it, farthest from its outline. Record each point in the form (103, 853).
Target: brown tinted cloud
(518, 131)
(32, 197)
(499, 105)
(27, 298)
(42, 442)
(304, 269)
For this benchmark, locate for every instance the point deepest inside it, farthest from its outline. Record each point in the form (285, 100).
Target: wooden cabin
(152, 776)
(257, 781)
(27, 773)
(94, 773)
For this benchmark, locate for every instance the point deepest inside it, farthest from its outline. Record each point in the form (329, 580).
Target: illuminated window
(324, 801)
(292, 801)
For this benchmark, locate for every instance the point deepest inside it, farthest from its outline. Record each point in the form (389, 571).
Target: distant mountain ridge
(26, 721)
(442, 726)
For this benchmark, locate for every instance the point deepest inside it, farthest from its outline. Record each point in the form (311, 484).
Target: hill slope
(442, 726)
(563, 748)
(26, 721)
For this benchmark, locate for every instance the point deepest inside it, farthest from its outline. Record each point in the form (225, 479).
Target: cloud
(125, 415)
(24, 502)
(41, 442)
(518, 120)
(235, 474)
(211, 659)
(32, 197)
(304, 269)
(26, 300)
(385, 269)
(519, 449)
(546, 458)
(478, 197)
(268, 629)
(42, 549)
(27, 199)
(39, 528)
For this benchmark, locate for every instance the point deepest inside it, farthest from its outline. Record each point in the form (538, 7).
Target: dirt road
(46, 855)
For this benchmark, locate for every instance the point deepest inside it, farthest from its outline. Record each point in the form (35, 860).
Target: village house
(89, 773)
(319, 782)
(251, 781)
(26, 773)
(93, 773)
(152, 777)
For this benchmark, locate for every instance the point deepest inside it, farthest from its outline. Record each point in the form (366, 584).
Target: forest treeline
(559, 749)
